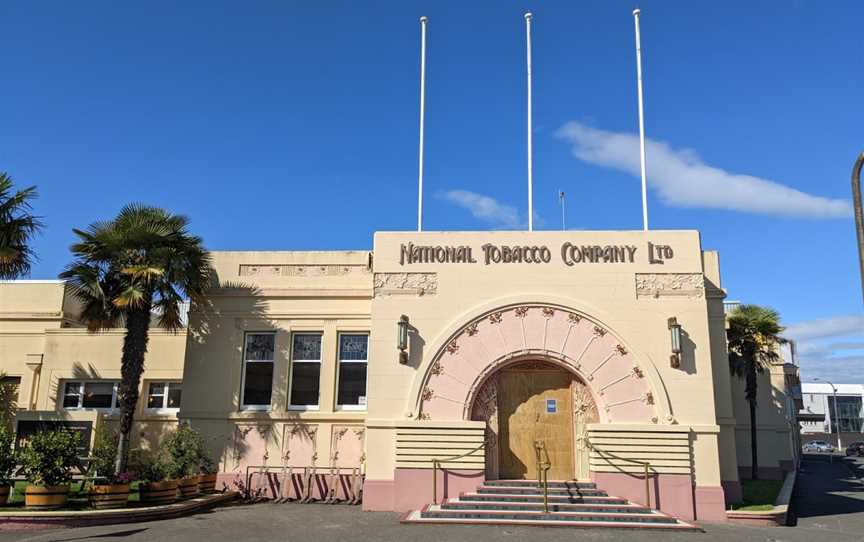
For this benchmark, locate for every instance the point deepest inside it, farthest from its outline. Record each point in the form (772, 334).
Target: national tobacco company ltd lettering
(570, 254)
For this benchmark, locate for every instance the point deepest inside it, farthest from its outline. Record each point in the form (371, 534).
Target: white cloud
(837, 326)
(485, 208)
(683, 179)
(823, 356)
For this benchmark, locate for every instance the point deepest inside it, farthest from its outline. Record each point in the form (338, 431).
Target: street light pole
(859, 213)
(836, 414)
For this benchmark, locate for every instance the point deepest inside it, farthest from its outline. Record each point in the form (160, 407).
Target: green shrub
(8, 457)
(207, 465)
(49, 457)
(147, 467)
(182, 451)
(103, 456)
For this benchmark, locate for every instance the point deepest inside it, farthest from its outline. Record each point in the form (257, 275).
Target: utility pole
(859, 213)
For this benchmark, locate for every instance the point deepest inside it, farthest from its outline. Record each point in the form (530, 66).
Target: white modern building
(821, 417)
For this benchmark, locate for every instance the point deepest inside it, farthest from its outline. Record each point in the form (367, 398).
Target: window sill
(361, 408)
(255, 408)
(302, 408)
(161, 411)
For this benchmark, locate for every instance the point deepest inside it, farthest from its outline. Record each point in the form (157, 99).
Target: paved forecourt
(316, 523)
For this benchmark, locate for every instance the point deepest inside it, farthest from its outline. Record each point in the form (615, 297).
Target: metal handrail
(543, 471)
(309, 473)
(436, 464)
(646, 465)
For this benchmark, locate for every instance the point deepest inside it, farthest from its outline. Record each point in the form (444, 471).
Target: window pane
(306, 347)
(174, 393)
(98, 394)
(352, 383)
(258, 384)
(353, 347)
(71, 395)
(304, 383)
(260, 346)
(155, 401)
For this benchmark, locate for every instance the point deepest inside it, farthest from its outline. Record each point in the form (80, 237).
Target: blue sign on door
(551, 406)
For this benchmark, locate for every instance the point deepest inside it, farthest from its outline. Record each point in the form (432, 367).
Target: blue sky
(280, 125)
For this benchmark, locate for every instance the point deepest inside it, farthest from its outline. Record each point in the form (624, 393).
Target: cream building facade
(464, 347)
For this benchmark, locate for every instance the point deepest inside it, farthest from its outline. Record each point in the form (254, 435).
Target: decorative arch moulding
(624, 388)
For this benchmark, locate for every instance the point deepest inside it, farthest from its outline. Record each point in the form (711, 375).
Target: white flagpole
(641, 122)
(530, 135)
(561, 198)
(423, 21)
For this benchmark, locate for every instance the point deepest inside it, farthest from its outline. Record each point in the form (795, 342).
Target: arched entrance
(535, 400)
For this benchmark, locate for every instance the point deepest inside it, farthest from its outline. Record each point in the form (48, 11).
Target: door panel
(524, 417)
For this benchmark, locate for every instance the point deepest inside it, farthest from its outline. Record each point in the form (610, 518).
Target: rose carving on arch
(567, 338)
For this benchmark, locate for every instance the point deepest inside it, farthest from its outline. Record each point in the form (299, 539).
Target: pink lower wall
(673, 494)
(411, 489)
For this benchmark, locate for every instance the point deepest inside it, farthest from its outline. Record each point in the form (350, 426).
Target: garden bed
(15, 518)
(766, 502)
(759, 495)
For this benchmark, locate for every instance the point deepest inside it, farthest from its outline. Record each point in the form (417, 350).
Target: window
(97, 394)
(353, 356)
(258, 356)
(305, 370)
(164, 395)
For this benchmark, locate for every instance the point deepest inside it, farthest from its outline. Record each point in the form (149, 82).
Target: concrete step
(456, 504)
(503, 497)
(533, 483)
(653, 520)
(527, 490)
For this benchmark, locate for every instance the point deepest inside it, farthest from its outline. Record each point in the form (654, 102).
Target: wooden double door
(535, 402)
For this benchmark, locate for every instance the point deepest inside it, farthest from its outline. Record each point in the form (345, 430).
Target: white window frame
(319, 361)
(243, 405)
(163, 409)
(339, 363)
(81, 383)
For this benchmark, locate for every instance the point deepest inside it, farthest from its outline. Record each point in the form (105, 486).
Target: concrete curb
(80, 518)
(776, 517)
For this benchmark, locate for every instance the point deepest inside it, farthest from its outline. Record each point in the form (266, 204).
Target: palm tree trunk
(751, 392)
(754, 456)
(131, 368)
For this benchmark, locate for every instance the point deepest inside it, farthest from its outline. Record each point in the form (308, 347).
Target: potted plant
(8, 460)
(182, 454)
(109, 490)
(207, 480)
(47, 460)
(154, 488)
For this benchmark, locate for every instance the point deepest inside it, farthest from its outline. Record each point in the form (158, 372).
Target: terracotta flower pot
(46, 497)
(109, 496)
(164, 492)
(188, 486)
(4, 495)
(207, 483)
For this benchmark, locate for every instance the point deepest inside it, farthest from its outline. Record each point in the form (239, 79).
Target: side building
(60, 372)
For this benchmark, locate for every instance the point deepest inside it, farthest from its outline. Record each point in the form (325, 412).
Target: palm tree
(142, 263)
(754, 337)
(17, 228)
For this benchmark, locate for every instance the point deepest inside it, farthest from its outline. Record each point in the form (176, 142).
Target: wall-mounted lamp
(402, 339)
(675, 333)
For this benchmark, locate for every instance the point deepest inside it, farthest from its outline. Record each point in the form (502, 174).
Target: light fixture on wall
(402, 339)
(675, 333)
